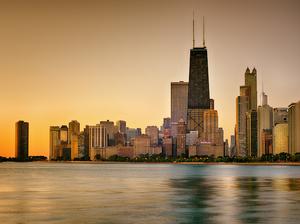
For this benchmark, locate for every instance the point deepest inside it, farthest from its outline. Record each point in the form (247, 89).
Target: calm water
(148, 193)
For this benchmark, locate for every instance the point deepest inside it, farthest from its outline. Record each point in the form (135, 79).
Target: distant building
(120, 139)
(141, 145)
(64, 134)
(81, 146)
(121, 126)
(242, 105)
(179, 97)
(280, 115)
(110, 131)
(181, 137)
(167, 147)
(191, 138)
(21, 140)
(267, 141)
(251, 130)
(264, 122)
(179, 103)
(198, 89)
(86, 132)
(54, 142)
(152, 132)
(294, 127)
(280, 138)
(250, 80)
(131, 133)
(74, 129)
(98, 139)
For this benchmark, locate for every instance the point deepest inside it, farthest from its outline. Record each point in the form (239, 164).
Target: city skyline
(49, 99)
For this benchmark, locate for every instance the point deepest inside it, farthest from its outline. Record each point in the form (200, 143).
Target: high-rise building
(54, 142)
(98, 139)
(167, 123)
(264, 122)
(179, 103)
(181, 137)
(210, 131)
(141, 145)
(73, 134)
(242, 105)
(251, 129)
(81, 146)
(152, 132)
(280, 115)
(64, 134)
(294, 127)
(110, 130)
(267, 142)
(198, 91)
(74, 129)
(21, 140)
(250, 80)
(280, 138)
(121, 125)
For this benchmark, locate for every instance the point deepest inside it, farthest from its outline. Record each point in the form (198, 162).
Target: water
(148, 193)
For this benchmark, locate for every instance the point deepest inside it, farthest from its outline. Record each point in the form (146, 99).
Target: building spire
(203, 31)
(193, 30)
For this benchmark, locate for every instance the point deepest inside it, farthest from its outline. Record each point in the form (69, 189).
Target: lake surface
(148, 193)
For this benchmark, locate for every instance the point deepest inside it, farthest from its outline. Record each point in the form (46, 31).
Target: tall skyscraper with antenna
(198, 89)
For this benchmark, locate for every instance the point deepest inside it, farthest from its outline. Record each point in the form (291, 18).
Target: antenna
(193, 30)
(203, 31)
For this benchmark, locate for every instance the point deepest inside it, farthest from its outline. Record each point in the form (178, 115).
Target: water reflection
(147, 193)
(236, 199)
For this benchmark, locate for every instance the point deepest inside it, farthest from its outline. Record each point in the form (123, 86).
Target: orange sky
(98, 60)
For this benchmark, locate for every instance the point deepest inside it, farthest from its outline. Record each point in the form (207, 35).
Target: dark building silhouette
(198, 91)
(21, 145)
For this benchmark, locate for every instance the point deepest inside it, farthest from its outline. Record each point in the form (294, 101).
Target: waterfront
(44, 192)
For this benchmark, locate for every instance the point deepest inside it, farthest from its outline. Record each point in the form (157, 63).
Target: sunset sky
(96, 60)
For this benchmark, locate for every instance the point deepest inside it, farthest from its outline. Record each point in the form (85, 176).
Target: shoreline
(178, 163)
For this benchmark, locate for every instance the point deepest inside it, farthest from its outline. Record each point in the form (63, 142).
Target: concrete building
(250, 80)
(242, 105)
(280, 115)
(21, 140)
(74, 146)
(121, 126)
(74, 129)
(141, 145)
(280, 138)
(131, 133)
(110, 131)
(211, 129)
(120, 139)
(264, 122)
(181, 137)
(267, 142)
(64, 138)
(294, 127)
(191, 138)
(179, 97)
(152, 132)
(98, 139)
(86, 132)
(81, 145)
(251, 130)
(54, 142)
(167, 147)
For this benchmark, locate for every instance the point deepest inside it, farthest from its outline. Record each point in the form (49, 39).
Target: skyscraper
(242, 105)
(264, 122)
(98, 139)
(294, 127)
(250, 80)
(74, 129)
(280, 138)
(54, 142)
(198, 89)
(280, 115)
(251, 127)
(152, 132)
(121, 126)
(21, 140)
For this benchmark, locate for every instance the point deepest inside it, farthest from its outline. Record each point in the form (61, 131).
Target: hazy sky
(99, 60)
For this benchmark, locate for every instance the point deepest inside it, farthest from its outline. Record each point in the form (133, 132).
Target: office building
(152, 132)
(121, 126)
(98, 139)
(280, 115)
(21, 140)
(264, 122)
(280, 138)
(54, 142)
(110, 131)
(181, 137)
(251, 130)
(294, 127)
(242, 104)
